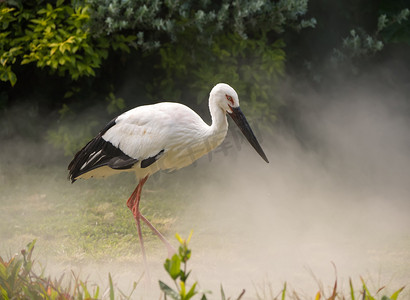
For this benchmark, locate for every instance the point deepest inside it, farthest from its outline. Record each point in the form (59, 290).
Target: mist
(346, 203)
(333, 206)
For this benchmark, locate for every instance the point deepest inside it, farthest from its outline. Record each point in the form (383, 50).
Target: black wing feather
(150, 160)
(98, 153)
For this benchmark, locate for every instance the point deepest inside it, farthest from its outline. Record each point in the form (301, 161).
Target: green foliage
(71, 135)
(395, 28)
(206, 42)
(361, 40)
(364, 294)
(360, 44)
(368, 296)
(173, 268)
(164, 20)
(18, 280)
(202, 43)
(252, 66)
(115, 104)
(180, 275)
(53, 37)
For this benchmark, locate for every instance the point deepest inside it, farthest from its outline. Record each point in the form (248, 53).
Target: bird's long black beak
(240, 120)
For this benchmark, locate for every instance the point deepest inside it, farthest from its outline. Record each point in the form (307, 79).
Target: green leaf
(168, 291)
(182, 291)
(3, 271)
(284, 292)
(4, 293)
(382, 21)
(351, 289)
(111, 287)
(97, 292)
(12, 77)
(53, 50)
(86, 293)
(54, 64)
(366, 291)
(396, 293)
(184, 276)
(4, 76)
(173, 266)
(179, 238)
(190, 236)
(222, 293)
(191, 292)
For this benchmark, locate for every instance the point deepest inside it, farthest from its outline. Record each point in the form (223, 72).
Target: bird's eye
(229, 98)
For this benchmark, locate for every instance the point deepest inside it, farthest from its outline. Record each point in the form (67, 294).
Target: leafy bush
(202, 43)
(74, 39)
(360, 44)
(160, 21)
(54, 37)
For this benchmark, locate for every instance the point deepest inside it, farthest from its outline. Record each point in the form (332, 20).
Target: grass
(83, 220)
(19, 280)
(89, 220)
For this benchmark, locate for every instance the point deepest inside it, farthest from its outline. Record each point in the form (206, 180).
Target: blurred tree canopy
(65, 56)
(73, 39)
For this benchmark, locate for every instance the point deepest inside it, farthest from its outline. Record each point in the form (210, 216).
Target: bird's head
(225, 97)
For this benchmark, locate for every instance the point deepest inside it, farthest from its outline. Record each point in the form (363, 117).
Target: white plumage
(144, 131)
(162, 136)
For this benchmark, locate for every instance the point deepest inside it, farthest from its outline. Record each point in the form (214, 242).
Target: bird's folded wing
(140, 133)
(98, 153)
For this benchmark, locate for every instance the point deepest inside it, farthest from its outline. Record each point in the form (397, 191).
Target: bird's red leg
(133, 204)
(171, 250)
(131, 199)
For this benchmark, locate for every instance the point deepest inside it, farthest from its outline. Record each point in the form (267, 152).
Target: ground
(256, 225)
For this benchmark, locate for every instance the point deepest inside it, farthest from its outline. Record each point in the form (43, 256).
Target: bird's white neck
(219, 126)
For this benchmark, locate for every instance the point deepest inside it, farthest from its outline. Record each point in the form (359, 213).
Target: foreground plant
(364, 294)
(18, 280)
(176, 267)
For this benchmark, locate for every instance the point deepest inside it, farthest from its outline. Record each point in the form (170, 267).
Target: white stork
(162, 136)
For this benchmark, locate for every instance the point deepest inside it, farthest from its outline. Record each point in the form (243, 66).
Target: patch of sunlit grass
(88, 219)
